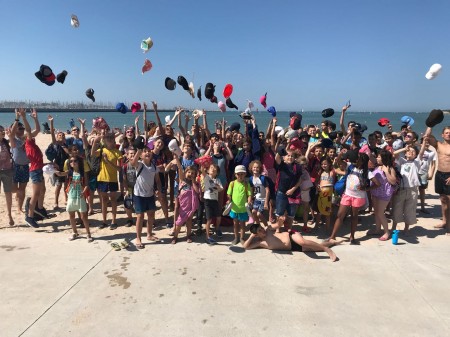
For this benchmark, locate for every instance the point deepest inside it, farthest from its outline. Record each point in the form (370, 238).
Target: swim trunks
(295, 247)
(440, 186)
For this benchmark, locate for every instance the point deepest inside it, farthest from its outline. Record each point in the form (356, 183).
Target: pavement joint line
(419, 292)
(60, 297)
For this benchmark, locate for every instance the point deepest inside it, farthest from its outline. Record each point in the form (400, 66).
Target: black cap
(182, 81)
(213, 99)
(235, 127)
(209, 90)
(170, 84)
(327, 113)
(351, 156)
(90, 94)
(434, 118)
(199, 93)
(230, 104)
(139, 143)
(61, 77)
(45, 75)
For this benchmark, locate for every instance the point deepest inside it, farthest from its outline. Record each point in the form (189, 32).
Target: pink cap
(222, 106)
(262, 100)
(136, 106)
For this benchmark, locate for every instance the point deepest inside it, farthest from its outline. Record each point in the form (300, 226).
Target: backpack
(51, 153)
(339, 186)
(94, 161)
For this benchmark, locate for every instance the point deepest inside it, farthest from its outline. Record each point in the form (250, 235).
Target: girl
(212, 188)
(383, 179)
(6, 172)
(239, 193)
(261, 192)
(354, 196)
(305, 188)
(76, 191)
(159, 159)
(187, 200)
(324, 184)
(129, 180)
(143, 193)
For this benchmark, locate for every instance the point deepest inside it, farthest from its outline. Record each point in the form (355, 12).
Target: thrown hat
(240, 169)
(250, 104)
(61, 77)
(383, 122)
(122, 108)
(174, 148)
(45, 75)
(128, 201)
(213, 99)
(434, 118)
(136, 106)
(49, 169)
(183, 82)
(246, 115)
(235, 127)
(326, 113)
(433, 72)
(272, 110)
(227, 91)
(151, 144)
(167, 119)
(278, 129)
(90, 94)
(291, 134)
(362, 128)
(204, 161)
(199, 93)
(230, 104)
(170, 84)
(197, 112)
(74, 22)
(222, 106)
(209, 90)
(296, 121)
(139, 143)
(262, 100)
(407, 120)
(146, 44)
(191, 89)
(147, 66)
(397, 144)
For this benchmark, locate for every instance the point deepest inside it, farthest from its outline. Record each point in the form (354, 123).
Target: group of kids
(230, 175)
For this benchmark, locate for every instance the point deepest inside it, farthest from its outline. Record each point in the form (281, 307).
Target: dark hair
(378, 133)
(363, 164)
(386, 158)
(328, 160)
(216, 166)
(254, 228)
(80, 167)
(326, 122)
(403, 127)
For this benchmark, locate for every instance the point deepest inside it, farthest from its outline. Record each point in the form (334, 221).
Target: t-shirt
(107, 172)
(354, 183)
(5, 157)
(130, 173)
(221, 161)
(78, 142)
(428, 157)
(239, 195)
(409, 169)
(210, 187)
(34, 154)
(288, 176)
(19, 154)
(145, 183)
(380, 192)
(259, 187)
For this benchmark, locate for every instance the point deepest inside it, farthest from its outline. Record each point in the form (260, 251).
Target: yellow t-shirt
(107, 172)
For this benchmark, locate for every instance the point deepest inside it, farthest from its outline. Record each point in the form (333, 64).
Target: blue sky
(305, 54)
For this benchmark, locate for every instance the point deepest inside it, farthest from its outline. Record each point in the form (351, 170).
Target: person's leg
(262, 218)
(219, 218)
(355, 212)
(139, 222)
(311, 246)
(176, 231)
(163, 202)
(255, 216)
(21, 195)
(242, 230)
(150, 222)
(208, 226)
(57, 191)
(445, 207)
(34, 198)
(8, 197)
(189, 229)
(41, 196)
(113, 197)
(342, 212)
(172, 175)
(410, 207)
(72, 224)
(377, 213)
(84, 218)
(447, 224)
(236, 229)
(104, 200)
(422, 199)
(382, 205)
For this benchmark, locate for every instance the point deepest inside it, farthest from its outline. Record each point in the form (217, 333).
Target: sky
(305, 54)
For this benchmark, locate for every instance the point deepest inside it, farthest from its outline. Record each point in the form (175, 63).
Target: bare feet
(11, 221)
(331, 254)
(151, 237)
(374, 232)
(448, 233)
(442, 225)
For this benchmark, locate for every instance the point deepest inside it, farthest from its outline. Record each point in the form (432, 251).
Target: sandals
(140, 246)
(115, 246)
(90, 239)
(129, 223)
(189, 239)
(124, 244)
(152, 238)
(74, 236)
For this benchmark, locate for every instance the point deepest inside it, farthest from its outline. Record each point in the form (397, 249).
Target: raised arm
(136, 126)
(37, 127)
(25, 123)
(341, 120)
(52, 128)
(83, 134)
(205, 125)
(158, 120)
(144, 119)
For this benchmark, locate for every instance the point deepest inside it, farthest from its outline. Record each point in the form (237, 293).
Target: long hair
(80, 166)
(386, 158)
(363, 164)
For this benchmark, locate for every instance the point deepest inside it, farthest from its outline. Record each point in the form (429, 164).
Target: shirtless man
(269, 239)
(442, 178)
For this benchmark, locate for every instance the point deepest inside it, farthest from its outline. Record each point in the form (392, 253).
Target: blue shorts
(143, 204)
(258, 205)
(106, 187)
(21, 173)
(239, 216)
(282, 205)
(37, 176)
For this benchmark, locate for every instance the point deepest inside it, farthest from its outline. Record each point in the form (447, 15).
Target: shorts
(59, 180)
(6, 179)
(106, 187)
(347, 200)
(143, 204)
(37, 176)
(295, 247)
(439, 183)
(423, 178)
(212, 209)
(92, 183)
(404, 206)
(239, 216)
(21, 173)
(258, 205)
(282, 205)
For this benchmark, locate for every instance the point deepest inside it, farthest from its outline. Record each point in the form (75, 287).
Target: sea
(117, 119)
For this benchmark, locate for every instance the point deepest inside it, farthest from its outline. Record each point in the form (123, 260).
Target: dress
(188, 201)
(75, 197)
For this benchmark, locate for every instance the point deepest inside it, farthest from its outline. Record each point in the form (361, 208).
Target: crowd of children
(318, 174)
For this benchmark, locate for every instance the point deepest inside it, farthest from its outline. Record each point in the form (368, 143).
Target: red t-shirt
(34, 154)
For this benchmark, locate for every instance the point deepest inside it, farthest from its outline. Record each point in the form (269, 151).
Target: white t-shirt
(353, 183)
(145, 183)
(258, 188)
(212, 187)
(409, 169)
(428, 157)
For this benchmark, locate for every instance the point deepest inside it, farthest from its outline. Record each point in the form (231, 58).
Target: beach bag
(339, 186)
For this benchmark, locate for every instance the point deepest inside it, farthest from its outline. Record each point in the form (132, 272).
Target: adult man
(442, 178)
(269, 239)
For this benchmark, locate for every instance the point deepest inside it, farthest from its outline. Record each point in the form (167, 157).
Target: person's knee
(444, 199)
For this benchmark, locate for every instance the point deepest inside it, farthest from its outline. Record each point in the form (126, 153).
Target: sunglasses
(130, 131)
(408, 136)
(73, 161)
(75, 130)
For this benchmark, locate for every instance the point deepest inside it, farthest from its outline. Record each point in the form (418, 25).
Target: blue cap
(272, 110)
(121, 107)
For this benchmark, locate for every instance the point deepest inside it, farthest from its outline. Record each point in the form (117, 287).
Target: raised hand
(155, 105)
(33, 113)
(50, 118)
(82, 121)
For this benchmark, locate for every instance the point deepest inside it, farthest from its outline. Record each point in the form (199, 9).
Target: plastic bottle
(395, 236)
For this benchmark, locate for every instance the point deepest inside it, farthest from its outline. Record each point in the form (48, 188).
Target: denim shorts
(106, 187)
(21, 173)
(239, 216)
(37, 176)
(258, 205)
(143, 204)
(282, 205)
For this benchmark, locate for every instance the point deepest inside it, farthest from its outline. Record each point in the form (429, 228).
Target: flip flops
(115, 246)
(74, 237)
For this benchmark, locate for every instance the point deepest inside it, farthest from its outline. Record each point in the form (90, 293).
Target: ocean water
(116, 119)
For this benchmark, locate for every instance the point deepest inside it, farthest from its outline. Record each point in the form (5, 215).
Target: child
(143, 193)
(76, 191)
(6, 172)
(324, 184)
(305, 187)
(187, 200)
(212, 188)
(129, 180)
(261, 192)
(239, 193)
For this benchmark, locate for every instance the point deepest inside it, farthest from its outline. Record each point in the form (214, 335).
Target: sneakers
(235, 242)
(169, 225)
(219, 233)
(31, 222)
(129, 223)
(211, 241)
(41, 211)
(102, 225)
(113, 226)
